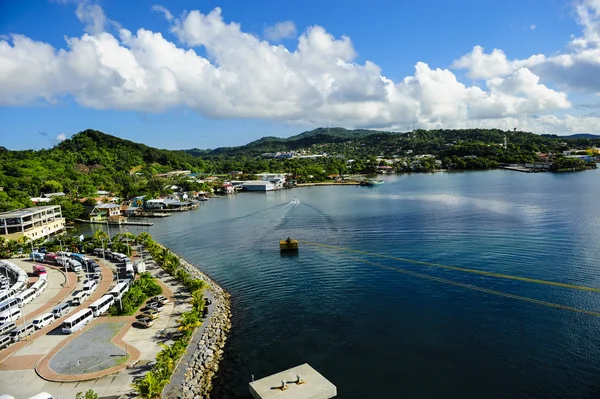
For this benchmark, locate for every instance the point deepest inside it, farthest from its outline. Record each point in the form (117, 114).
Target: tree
(151, 386)
(189, 322)
(52, 186)
(89, 394)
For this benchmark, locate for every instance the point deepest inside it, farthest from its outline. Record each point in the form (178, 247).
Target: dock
(300, 382)
(103, 222)
(150, 215)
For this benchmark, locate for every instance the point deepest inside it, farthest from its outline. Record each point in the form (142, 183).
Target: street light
(62, 256)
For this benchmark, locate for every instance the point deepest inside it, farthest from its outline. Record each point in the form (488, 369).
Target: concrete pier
(312, 385)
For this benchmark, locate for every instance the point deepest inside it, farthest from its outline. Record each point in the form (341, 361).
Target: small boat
(288, 245)
(371, 182)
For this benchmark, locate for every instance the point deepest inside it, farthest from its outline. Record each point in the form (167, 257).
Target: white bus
(6, 295)
(101, 305)
(89, 286)
(77, 321)
(119, 289)
(26, 296)
(8, 304)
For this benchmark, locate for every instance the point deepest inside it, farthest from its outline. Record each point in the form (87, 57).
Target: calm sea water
(376, 332)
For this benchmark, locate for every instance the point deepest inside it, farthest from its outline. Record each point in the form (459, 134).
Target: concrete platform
(315, 386)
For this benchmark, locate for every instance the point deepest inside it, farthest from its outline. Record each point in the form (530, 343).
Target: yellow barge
(288, 245)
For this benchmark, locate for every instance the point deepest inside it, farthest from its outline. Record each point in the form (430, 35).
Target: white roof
(26, 211)
(107, 206)
(257, 183)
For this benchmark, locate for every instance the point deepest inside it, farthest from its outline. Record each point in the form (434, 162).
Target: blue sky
(251, 90)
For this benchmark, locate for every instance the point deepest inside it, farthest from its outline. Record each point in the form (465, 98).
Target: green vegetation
(92, 160)
(89, 394)
(142, 288)
(153, 383)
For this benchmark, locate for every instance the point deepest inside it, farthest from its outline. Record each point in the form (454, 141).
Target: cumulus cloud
(61, 137)
(242, 76)
(576, 69)
(532, 27)
(281, 30)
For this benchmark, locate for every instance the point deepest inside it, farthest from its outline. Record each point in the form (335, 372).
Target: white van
(9, 315)
(79, 298)
(60, 310)
(89, 286)
(42, 321)
(5, 340)
(21, 332)
(75, 265)
(26, 296)
(6, 328)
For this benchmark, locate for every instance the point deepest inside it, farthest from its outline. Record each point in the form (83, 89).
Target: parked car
(156, 306)
(160, 299)
(150, 313)
(144, 322)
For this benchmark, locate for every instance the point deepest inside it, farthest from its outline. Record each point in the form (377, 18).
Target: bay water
(363, 315)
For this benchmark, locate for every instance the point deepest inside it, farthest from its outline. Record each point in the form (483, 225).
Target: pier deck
(315, 386)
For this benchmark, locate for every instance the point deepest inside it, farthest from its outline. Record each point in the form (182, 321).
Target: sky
(204, 74)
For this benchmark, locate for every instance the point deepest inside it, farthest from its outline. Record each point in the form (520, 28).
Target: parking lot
(50, 347)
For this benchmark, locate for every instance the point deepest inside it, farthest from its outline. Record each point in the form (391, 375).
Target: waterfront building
(105, 211)
(258, 185)
(36, 222)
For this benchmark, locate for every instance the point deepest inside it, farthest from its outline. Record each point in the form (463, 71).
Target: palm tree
(100, 235)
(198, 301)
(189, 322)
(151, 386)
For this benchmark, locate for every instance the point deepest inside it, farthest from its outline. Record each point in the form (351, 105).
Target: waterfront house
(36, 222)
(155, 204)
(385, 169)
(137, 201)
(102, 212)
(227, 188)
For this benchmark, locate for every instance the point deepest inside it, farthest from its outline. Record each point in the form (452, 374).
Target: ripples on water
(379, 333)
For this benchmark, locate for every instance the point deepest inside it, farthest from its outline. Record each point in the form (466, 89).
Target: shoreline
(197, 374)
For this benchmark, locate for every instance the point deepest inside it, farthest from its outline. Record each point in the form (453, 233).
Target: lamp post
(62, 255)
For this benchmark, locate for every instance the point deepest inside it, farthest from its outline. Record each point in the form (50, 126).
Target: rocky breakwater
(208, 350)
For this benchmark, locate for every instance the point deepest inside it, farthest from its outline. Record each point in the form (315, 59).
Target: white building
(36, 222)
(258, 185)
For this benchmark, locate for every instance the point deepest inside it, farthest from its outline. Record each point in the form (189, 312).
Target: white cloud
(92, 15)
(577, 69)
(243, 76)
(167, 14)
(281, 30)
(532, 27)
(61, 137)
